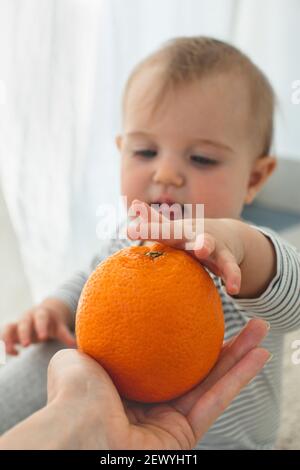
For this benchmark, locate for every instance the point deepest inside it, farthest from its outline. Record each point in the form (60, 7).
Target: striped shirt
(252, 419)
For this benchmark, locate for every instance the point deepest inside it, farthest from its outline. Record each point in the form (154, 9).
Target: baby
(197, 128)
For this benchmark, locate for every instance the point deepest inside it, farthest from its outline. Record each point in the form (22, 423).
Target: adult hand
(85, 411)
(79, 384)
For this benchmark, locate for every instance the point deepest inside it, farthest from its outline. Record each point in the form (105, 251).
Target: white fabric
(64, 64)
(268, 31)
(48, 56)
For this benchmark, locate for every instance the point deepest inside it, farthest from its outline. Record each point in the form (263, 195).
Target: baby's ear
(260, 173)
(118, 141)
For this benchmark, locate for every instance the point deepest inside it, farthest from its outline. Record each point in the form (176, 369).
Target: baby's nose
(168, 175)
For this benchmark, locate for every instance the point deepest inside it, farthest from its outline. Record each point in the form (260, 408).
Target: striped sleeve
(279, 304)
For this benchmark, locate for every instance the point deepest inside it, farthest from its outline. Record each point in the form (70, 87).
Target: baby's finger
(231, 272)
(204, 246)
(42, 323)
(10, 338)
(211, 265)
(146, 221)
(64, 335)
(25, 329)
(152, 225)
(145, 212)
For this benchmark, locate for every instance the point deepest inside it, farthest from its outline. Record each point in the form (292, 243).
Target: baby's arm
(279, 303)
(53, 318)
(261, 271)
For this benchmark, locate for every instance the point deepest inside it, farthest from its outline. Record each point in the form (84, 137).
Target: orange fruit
(152, 317)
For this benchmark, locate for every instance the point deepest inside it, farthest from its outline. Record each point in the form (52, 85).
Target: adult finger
(213, 403)
(250, 337)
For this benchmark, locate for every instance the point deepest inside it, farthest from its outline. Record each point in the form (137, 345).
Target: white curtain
(64, 64)
(268, 31)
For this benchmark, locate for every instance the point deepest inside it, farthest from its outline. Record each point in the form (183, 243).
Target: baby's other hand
(51, 319)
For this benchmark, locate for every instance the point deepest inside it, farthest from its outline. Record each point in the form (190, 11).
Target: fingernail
(268, 325)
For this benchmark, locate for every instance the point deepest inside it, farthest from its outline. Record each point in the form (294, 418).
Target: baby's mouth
(164, 207)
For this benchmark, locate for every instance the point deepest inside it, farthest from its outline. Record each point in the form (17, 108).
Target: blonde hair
(185, 59)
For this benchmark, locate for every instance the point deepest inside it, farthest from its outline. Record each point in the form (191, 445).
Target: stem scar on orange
(153, 318)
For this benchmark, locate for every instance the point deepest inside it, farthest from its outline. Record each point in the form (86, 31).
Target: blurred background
(63, 65)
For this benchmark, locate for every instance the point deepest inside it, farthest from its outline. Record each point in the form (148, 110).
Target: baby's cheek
(133, 188)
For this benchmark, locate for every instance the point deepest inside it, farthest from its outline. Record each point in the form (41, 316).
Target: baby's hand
(50, 319)
(220, 247)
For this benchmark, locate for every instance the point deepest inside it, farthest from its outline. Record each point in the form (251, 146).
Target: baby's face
(194, 149)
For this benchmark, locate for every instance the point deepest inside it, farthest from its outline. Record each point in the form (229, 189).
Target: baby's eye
(203, 160)
(146, 153)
